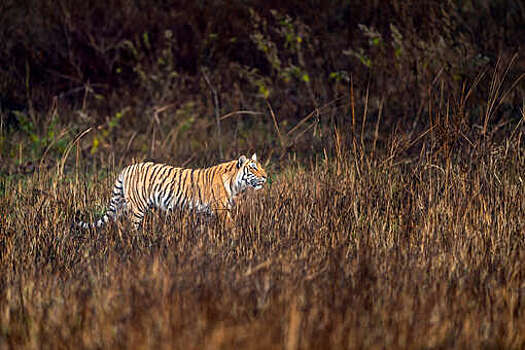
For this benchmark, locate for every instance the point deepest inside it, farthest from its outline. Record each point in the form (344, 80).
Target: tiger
(143, 186)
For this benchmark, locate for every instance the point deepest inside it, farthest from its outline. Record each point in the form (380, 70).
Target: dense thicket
(300, 54)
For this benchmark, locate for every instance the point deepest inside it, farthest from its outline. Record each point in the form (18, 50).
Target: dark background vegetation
(392, 131)
(154, 66)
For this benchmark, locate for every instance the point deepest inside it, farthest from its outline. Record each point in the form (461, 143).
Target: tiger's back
(142, 186)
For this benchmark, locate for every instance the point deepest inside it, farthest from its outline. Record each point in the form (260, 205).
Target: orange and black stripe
(142, 186)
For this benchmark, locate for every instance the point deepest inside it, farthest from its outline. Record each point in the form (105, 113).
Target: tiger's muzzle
(258, 182)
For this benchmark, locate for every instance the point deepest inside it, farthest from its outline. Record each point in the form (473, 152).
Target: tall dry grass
(347, 251)
(392, 135)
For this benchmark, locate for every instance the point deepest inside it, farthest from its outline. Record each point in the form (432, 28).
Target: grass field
(392, 133)
(346, 252)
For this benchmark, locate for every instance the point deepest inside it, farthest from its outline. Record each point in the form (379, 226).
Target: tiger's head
(250, 172)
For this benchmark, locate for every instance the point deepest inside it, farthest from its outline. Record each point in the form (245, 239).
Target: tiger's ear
(241, 161)
(254, 157)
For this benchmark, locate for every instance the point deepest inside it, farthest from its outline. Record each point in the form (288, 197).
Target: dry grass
(394, 141)
(347, 252)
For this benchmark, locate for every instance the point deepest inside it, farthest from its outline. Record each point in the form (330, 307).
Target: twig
(261, 266)
(68, 149)
(316, 112)
(376, 131)
(217, 110)
(275, 124)
(231, 114)
(407, 146)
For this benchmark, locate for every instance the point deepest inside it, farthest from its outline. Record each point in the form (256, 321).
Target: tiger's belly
(168, 203)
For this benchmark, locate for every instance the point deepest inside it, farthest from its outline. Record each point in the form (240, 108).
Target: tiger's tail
(114, 210)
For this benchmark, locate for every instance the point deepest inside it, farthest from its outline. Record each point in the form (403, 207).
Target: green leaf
(94, 147)
(305, 78)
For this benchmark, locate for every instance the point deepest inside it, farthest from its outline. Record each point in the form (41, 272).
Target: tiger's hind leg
(117, 205)
(137, 216)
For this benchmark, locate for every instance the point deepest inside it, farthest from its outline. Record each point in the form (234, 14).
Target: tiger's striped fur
(142, 186)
